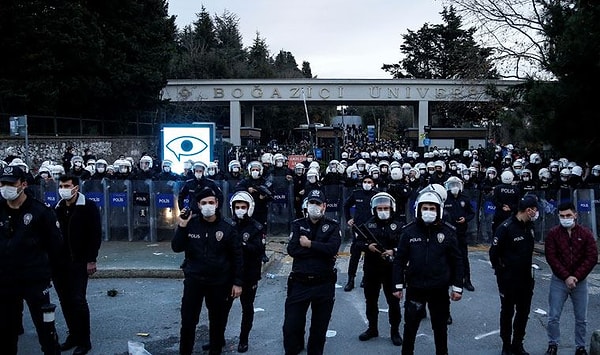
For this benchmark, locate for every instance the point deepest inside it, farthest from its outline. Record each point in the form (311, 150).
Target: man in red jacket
(571, 253)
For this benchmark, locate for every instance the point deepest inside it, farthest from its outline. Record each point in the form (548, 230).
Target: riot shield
(49, 192)
(120, 210)
(586, 208)
(166, 210)
(548, 201)
(144, 211)
(96, 190)
(474, 197)
(486, 218)
(281, 207)
(335, 202)
(227, 193)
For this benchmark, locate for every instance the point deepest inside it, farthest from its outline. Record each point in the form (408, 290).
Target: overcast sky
(339, 38)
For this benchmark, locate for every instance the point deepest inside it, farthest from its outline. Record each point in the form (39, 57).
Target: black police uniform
(378, 273)
(310, 284)
(191, 187)
(427, 262)
(253, 237)
(504, 194)
(213, 263)
(456, 207)
(511, 255)
(30, 241)
(262, 196)
(361, 200)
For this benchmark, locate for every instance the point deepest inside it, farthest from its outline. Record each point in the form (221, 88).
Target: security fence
(146, 210)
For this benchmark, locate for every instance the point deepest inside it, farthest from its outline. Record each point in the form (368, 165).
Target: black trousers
(515, 305)
(217, 304)
(355, 254)
(438, 303)
(375, 280)
(71, 283)
(463, 246)
(11, 315)
(247, 301)
(320, 297)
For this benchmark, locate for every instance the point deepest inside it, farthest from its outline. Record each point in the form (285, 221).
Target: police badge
(27, 218)
(245, 237)
(440, 237)
(219, 236)
(325, 228)
(393, 226)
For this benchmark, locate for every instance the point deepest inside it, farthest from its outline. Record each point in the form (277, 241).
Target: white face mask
(235, 169)
(198, 175)
(10, 193)
(240, 213)
(383, 214)
(65, 194)
(428, 216)
(309, 160)
(208, 210)
(211, 172)
(167, 169)
(255, 174)
(312, 179)
(100, 169)
(454, 190)
(366, 186)
(567, 222)
(314, 211)
(279, 164)
(535, 216)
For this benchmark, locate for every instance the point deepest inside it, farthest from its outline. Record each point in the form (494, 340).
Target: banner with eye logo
(183, 142)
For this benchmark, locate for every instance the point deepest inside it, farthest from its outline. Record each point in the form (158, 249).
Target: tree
(259, 59)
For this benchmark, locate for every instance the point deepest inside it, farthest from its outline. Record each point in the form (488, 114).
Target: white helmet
(19, 162)
(253, 165)
(145, 163)
(57, 170)
(266, 158)
(244, 197)
(101, 166)
(437, 188)
(212, 169)
(122, 166)
(279, 160)
(314, 165)
(234, 166)
(312, 173)
(453, 182)
(396, 173)
(429, 196)
(381, 198)
(535, 158)
(507, 177)
(299, 168)
(596, 170)
(544, 174)
(344, 155)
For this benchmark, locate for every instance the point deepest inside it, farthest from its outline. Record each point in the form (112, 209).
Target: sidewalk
(123, 259)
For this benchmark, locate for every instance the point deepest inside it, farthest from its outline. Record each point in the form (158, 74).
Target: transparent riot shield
(474, 197)
(281, 207)
(165, 202)
(586, 208)
(97, 191)
(144, 211)
(49, 192)
(120, 210)
(227, 193)
(486, 218)
(596, 201)
(548, 201)
(335, 202)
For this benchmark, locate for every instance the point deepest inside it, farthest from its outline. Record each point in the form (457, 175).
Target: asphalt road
(147, 310)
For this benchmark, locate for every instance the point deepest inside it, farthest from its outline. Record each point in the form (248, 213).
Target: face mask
(187, 166)
(366, 186)
(44, 175)
(65, 194)
(428, 216)
(361, 167)
(525, 178)
(314, 211)
(454, 190)
(10, 193)
(167, 169)
(466, 177)
(100, 169)
(567, 222)
(596, 173)
(384, 169)
(208, 210)
(312, 179)
(240, 213)
(309, 160)
(375, 175)
(211, 172)
(279, 164)
(255, 174)
(235, 169)
(535, 216)
(383, 214)
(198, 175)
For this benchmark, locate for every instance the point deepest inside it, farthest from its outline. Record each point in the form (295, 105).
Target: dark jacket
(428, 257)
(81, 229)
(386, 233)
(360, 199)
(30, 242)
(213, 251)
(253, 236)
(511, 253)
(191, 186)
(571, 255)
(326, 238)
(456, 207)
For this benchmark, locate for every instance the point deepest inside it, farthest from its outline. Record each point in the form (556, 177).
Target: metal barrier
(147, 210)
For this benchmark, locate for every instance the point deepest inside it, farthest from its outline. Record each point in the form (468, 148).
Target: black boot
(350, 285)
(506, 350)
(368, 334)
(395, 336)
(517, 349)
(206, 347)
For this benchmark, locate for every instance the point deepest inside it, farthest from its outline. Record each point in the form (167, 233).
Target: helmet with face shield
(242, 196)
(544, 175)
(361, 165)
(526, 174)
(101, 166)
(596, 170)
(255, 169)
(381, 199)
(565, 174)
(396, 173)
(20, 163)
(454, 185)
(279, 160)
(77, 162)
(312, 175)
(57, 170)
(507, 177)
(234, 166)
(145, 163)
(299, 169)
(212, 169)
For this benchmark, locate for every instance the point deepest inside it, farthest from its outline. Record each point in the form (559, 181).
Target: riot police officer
(378, 238)
(314, 244)
(192, 186)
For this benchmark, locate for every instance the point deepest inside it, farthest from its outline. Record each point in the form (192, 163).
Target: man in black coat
(82, 232)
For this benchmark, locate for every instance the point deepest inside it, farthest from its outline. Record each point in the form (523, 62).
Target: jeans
(556, 299)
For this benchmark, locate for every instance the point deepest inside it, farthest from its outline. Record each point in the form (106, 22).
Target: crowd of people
(223, 256)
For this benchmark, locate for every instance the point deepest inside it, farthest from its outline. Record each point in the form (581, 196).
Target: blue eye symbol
(186, 145)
